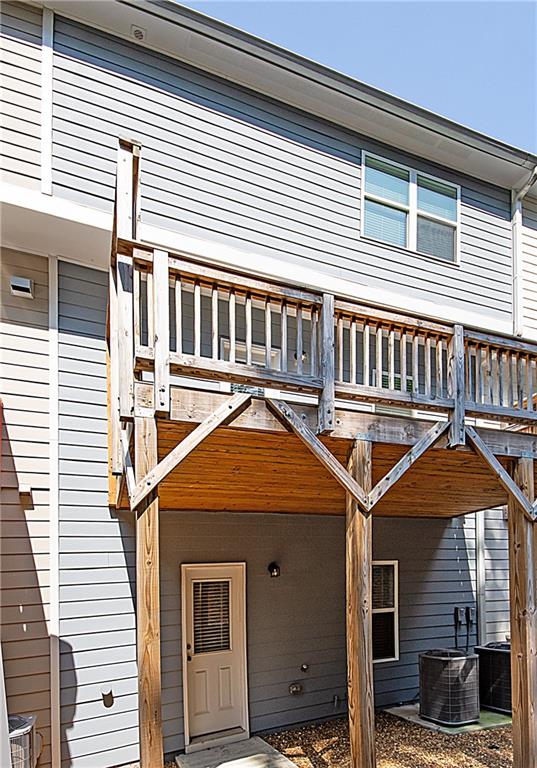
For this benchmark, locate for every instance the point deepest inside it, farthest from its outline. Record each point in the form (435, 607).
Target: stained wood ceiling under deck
(248, 471)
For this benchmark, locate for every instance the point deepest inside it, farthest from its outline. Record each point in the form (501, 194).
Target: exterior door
(214, 652)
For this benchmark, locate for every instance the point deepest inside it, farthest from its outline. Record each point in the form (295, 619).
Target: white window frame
(411, 209)
(394, 610)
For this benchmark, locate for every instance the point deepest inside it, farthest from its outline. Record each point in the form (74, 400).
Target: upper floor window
(410, 209)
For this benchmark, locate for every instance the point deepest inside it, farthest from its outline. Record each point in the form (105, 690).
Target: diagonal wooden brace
(291, 421)
(503, 476)
(403, 465)
(224, 413)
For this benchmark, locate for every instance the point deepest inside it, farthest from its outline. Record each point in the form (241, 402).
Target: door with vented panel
(214, 652)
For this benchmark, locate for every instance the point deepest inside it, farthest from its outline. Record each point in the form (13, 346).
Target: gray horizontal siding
(300, 618)
(235, 167)
(436, 573)
(496, 575)
(20, 68)
(97, 625)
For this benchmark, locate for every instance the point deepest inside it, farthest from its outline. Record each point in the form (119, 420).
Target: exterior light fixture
(274, 570)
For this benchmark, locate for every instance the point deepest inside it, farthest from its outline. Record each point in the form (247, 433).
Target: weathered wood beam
(290, 419)
(228, 410)
(128, 471)
(456, 386)
(523, 609)
(501, 473)
(405, 462)
(127, 190)
(327, 357)
(125, 328)
(148, 602)
(161, 308)
(194, 405)
(358, 562)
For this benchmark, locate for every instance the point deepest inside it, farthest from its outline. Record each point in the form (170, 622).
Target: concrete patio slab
(487, 720)
(251, 753)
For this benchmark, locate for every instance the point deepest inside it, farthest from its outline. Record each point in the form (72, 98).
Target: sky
(474, 62)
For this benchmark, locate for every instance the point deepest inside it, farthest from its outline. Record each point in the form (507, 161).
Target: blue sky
(474, 62)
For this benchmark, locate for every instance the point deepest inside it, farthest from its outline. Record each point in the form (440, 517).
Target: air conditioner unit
(22, 741)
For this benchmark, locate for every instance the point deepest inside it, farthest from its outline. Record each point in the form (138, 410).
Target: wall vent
(22, 287)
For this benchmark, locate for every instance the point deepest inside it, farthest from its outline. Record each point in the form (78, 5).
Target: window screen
(436, 239)
(211, 616)
(383, 586)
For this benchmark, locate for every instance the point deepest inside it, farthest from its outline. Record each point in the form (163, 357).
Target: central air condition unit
(449, 687)
(22, 741)
(495, 676)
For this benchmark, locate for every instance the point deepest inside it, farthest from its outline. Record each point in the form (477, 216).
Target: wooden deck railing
(170, 315)
(193, 320)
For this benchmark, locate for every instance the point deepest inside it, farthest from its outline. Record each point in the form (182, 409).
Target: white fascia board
(265, 68)
(42, 224)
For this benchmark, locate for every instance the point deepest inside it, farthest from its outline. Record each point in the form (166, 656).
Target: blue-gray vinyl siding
(97, 618)
(20, 68)
(234, 167)
(497, 575)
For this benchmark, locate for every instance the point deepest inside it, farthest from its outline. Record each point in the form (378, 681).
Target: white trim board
(54, 524)
(64, 228)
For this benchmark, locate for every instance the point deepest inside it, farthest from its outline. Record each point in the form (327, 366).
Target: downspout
(517, 196)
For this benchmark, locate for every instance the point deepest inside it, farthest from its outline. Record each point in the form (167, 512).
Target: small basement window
(385, 610)
(409, 209)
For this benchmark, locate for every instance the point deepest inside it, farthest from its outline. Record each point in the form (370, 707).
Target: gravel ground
(399, 745)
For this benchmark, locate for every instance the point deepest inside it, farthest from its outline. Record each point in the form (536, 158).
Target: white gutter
(517, 197)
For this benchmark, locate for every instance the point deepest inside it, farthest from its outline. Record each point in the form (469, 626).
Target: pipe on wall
(517, 197)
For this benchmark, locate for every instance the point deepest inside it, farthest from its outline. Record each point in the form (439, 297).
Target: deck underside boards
(236, 469)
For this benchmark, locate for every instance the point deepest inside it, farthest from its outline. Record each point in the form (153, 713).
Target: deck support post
(523, 602)
(359, 631)
(326, 415)
(148, 600)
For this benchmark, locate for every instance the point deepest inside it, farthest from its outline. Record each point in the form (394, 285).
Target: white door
(214, 653)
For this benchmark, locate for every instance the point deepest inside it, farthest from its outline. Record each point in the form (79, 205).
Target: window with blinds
(409, 209)
(384, 602)
(211, 616)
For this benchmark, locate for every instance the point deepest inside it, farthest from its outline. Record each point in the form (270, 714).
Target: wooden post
(161, 309)
(326, 399)
(359, 632)
(523, 602)
(125, 335)
(148, 601)
(456, 386)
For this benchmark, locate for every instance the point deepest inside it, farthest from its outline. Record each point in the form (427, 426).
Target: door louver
(211, 618)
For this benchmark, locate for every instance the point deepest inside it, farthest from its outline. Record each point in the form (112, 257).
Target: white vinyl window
(385, 610)
(409, 209)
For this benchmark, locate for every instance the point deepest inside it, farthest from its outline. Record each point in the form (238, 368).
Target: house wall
(300, 617)
(295, 619)
(20, 33)
(24, 529)
(97, 621)
(230, 166)
(529, 266)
